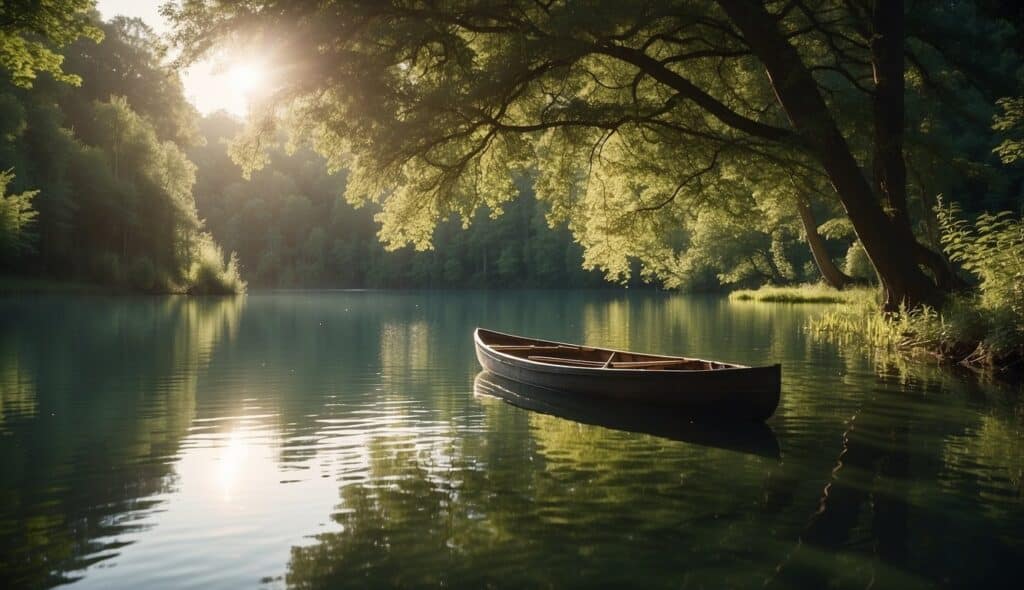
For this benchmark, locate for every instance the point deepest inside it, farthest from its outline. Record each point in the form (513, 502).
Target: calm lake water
(327, 440)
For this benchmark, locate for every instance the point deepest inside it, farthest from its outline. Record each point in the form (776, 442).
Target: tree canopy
(30, 30)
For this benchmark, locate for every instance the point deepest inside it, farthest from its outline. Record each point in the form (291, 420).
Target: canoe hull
(755, 438)
(736, 393)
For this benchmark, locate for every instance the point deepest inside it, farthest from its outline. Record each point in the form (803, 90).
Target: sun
(246, 77)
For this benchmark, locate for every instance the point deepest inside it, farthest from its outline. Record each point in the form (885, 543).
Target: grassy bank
(814, 293)
(962, 332)
(968, 330)
(981, 328)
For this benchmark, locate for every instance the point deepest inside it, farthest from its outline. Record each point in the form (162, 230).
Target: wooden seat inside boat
(597, 358)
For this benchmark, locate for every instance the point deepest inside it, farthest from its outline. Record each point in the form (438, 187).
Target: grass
(962, 332)
(809, 293)
(981, 328)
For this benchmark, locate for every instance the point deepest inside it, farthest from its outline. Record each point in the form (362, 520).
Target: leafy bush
(1011, 122)
(858, 265)
(992, 249)
(209, 275)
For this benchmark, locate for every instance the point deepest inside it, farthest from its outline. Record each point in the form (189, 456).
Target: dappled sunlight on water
(334, 439)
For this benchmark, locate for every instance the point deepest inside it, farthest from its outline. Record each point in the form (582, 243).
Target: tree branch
(687, 89)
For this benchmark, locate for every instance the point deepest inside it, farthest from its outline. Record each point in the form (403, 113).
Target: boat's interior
(570, 355)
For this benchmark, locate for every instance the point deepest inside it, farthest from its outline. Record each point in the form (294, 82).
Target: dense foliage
(509, 145)
(112, 185)
(30, 32)
(104, 186)
(991, 249)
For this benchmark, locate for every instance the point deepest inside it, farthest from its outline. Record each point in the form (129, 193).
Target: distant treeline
(292, 227)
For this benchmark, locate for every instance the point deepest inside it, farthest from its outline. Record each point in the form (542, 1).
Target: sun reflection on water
(231, 462)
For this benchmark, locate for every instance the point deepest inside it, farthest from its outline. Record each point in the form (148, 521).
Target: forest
(700, 146)
(114, 179)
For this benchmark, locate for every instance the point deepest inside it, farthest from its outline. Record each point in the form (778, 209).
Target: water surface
(326, 440)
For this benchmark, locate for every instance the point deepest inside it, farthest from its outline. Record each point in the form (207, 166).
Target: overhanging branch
(688, 90)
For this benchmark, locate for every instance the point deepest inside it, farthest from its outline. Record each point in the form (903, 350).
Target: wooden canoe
(755, 438)
(691, 386)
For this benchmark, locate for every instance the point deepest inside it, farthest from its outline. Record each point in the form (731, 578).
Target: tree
(130, 62)
(29, 30)
(636, 113)
(737, 251)
(16, 217)
(831, 273)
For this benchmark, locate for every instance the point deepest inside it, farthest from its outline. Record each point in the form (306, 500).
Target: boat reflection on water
(754, 438)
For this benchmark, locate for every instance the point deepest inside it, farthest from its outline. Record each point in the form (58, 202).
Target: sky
(207, 87)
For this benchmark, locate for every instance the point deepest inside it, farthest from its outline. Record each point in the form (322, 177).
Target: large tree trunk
(887, 106)
(836, 278)
(892, 251)
(890, 171)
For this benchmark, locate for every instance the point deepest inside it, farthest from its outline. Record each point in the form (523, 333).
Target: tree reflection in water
(76, 480)
(531, 487)
(116, 414)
